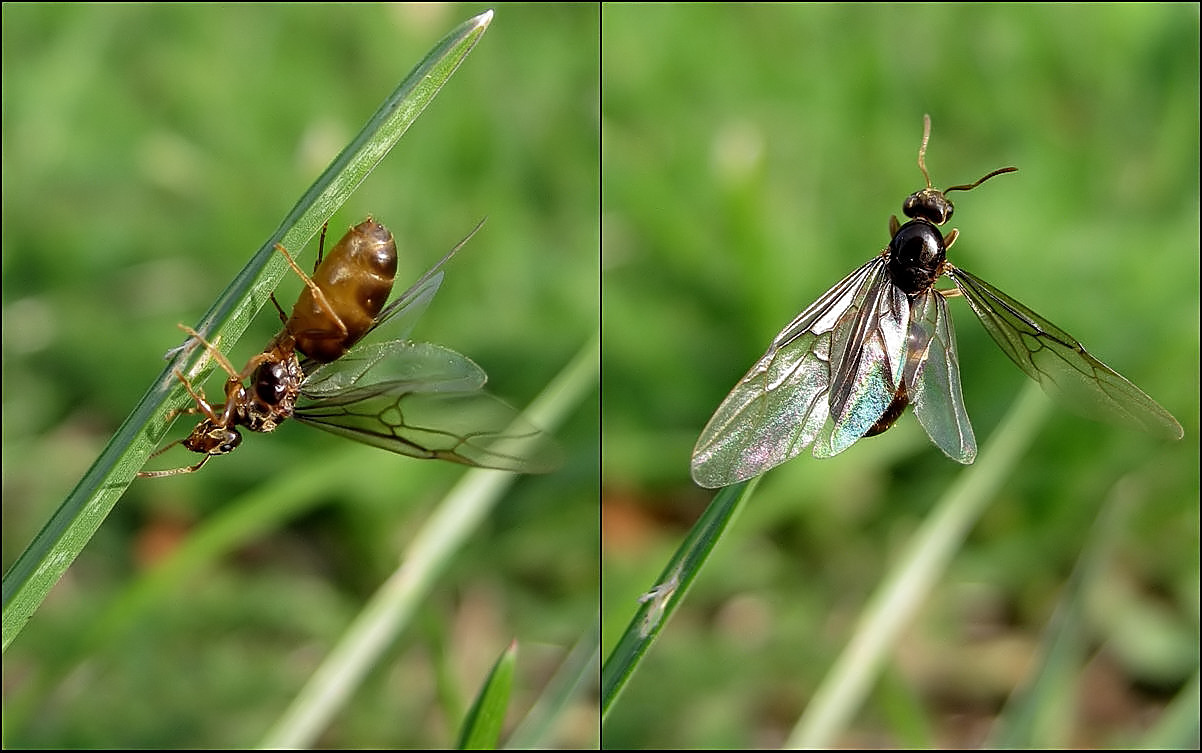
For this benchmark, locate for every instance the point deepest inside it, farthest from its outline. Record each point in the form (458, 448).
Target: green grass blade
(79, 516)
(659, 603)
(854, 671)
(482, 727)
(1034, 716)
(577, 673)
(395, 603)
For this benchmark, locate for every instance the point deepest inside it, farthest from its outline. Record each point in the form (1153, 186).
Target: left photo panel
(226, 227)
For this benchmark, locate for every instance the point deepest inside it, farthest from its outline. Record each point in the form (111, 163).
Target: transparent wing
(404, 364)
(777, 409)
(425, 401)
(1060, 364)
(409, 306)
(868, 356)
(932, 378)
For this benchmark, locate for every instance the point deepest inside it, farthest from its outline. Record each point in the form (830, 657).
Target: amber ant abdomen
(355, 279)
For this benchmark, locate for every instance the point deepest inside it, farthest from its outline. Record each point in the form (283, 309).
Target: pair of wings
(420, 399)
(833, 371)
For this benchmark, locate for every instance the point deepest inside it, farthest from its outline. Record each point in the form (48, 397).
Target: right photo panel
(874, 473)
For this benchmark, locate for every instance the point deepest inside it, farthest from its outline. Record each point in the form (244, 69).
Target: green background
(751, 158)
(148, 152)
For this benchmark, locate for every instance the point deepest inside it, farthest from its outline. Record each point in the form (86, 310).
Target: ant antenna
(922, 151)
(999, 171)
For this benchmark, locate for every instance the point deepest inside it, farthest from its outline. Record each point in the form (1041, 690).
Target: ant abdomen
(356, 279)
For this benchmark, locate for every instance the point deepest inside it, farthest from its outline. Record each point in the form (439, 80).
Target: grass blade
(1033, 717)
(577, 672)
(482, 727)
(659, 603)
(889, 611)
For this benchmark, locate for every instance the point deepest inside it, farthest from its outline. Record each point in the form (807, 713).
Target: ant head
(212, 439)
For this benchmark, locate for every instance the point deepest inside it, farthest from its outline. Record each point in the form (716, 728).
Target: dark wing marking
(933, 378)
(778, 408)
(1060, 364)
(425, 401)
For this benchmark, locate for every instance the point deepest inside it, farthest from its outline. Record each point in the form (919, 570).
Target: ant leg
(283, 316)
(235, 377)
(198, 395)
(321, 245)
(231, 384)
(177, 412)
(173, 471)
(202, 406)
(235, 382)
(319, 297)
(226, 366)
(220, 415)
(943, 269)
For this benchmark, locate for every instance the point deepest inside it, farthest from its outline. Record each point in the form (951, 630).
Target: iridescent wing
(867, 358)
(425, 401)
(779, 407)
(932, 378)
(1061, 365)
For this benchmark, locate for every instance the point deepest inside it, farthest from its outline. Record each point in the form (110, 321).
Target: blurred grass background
(147, 152)
(752, 155)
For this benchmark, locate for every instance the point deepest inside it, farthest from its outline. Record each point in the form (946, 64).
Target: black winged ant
(881, 340)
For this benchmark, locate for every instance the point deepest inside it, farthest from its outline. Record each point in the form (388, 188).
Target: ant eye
(231, 439)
